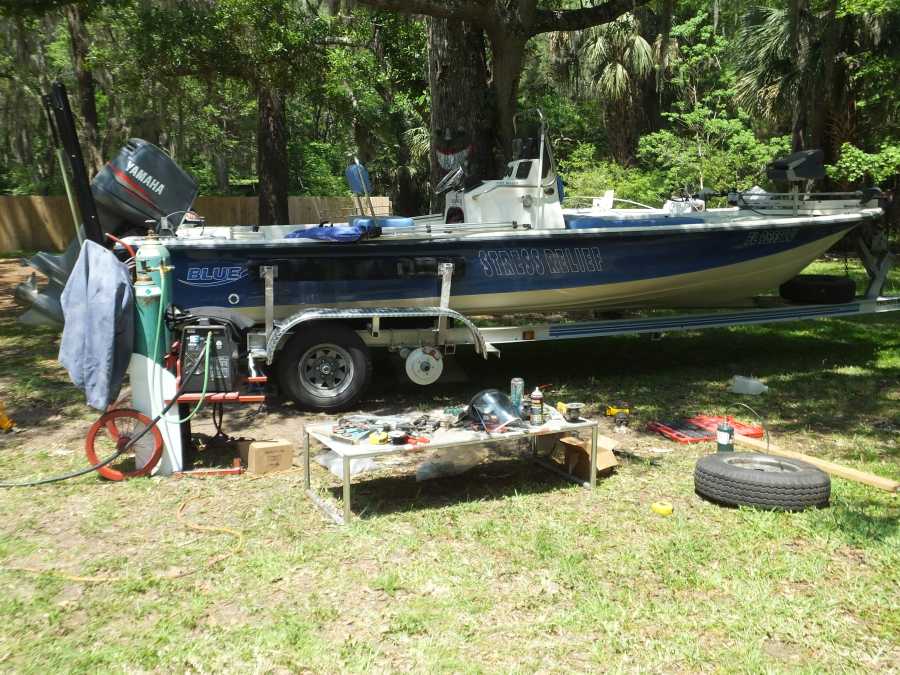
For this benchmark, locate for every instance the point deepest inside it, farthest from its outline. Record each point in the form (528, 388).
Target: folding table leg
(347, 512)
(306, 479)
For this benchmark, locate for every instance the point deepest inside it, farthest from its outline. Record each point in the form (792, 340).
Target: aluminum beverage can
(517, 392)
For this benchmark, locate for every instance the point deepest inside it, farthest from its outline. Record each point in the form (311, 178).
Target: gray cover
(98, 336)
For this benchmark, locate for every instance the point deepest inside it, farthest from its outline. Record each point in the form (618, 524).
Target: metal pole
(347, 512)
(446, 272)
(365, 188)
(306, 479)
(268, 273)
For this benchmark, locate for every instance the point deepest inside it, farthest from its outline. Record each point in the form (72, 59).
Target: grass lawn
(505, 568)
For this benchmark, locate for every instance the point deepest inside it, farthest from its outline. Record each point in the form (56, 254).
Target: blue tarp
(382, 221)
(337, 234)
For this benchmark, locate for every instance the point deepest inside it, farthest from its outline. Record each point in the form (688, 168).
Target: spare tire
(819, 289)
(761, 481)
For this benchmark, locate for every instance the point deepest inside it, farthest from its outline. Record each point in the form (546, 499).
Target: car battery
(223, 359)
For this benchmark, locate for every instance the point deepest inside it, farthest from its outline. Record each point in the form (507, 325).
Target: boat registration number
(529, 262)
(762, 237)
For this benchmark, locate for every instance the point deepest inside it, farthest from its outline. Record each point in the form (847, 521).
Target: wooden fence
(45, 223)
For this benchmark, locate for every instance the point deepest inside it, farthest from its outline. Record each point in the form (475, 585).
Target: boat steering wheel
(452, 180)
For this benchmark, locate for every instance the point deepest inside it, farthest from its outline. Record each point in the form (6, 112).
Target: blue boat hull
(537, 271)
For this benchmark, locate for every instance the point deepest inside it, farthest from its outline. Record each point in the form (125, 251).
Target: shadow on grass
(836, 376)
(33, 382)
(855, 523)
(497, 479)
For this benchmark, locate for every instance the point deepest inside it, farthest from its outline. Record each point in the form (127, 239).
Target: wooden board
(830, 468)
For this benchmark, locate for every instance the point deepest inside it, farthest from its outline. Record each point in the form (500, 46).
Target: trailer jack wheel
(325, 367)
(114, 430)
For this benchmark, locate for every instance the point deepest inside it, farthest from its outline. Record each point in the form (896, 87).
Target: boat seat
(577, 222)
(803, 165)
(382, 221)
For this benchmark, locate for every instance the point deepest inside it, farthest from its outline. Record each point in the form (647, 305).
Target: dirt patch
(13, 273)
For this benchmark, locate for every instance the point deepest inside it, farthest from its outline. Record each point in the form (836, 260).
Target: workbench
(443, 438)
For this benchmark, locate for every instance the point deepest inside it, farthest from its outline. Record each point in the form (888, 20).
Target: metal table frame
(343, 516)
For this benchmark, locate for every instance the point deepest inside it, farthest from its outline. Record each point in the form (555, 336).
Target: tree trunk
(220, 167)
(272, 159)
(622, 122)
(829, 89)
(87, 101)
(462, 116)
(508, 51)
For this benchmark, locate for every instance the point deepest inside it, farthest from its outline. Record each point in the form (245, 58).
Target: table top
(441, 439)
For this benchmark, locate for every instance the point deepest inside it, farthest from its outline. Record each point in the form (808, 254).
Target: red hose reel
(113, 431)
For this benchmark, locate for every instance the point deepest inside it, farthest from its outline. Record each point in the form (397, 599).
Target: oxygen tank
(152, 294)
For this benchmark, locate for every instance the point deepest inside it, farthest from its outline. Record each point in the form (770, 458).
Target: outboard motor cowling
(142, 183)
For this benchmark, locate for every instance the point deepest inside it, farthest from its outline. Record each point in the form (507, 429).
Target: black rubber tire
(819, 289)
(324, 333)
(741, 479)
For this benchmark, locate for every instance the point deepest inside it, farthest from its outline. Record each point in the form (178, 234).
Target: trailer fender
(282, 330)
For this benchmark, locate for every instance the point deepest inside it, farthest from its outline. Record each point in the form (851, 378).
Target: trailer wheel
(761, 481)
(325, 367)
(819, 289)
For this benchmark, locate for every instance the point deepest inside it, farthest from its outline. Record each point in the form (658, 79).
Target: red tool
(417, 440)
(710, 423)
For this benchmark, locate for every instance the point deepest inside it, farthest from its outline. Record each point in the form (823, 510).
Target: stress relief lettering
(529, 262)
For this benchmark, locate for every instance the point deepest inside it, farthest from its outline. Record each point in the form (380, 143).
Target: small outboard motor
(142, 183)
(803, 165)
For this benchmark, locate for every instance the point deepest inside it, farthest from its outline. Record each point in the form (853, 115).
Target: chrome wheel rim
(326, 370)
(764, 464)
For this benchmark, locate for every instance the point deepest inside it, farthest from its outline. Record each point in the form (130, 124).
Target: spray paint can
(517, 392)
(725, 436)
(537, 407)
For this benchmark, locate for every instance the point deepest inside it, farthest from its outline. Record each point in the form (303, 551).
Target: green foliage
(856, 166)
(586, 175)
(262, 41)
(867, 7)
(709, 147)
(321, 170)
(709, 140)
(695, 64)
(184, 75)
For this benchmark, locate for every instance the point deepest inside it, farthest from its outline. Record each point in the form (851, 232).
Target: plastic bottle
(537, 407)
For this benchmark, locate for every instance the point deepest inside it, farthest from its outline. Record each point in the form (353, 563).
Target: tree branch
(547, 20)
(468, 10)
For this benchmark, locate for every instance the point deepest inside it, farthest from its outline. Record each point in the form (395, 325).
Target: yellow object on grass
(662, 508)
(6, 424)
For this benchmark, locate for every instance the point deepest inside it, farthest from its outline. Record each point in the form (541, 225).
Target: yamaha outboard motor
(141, 188)
(142, 183)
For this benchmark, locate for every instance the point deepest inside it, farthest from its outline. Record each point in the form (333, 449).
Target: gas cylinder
(152, 292)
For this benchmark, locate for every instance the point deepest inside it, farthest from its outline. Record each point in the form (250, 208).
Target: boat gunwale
(748, 224)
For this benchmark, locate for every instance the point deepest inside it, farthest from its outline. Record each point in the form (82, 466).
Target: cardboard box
(266, 456)
(578, 456)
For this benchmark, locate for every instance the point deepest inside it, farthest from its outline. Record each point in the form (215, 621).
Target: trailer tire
(325, 367)
(761, 481)
(819, 289)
